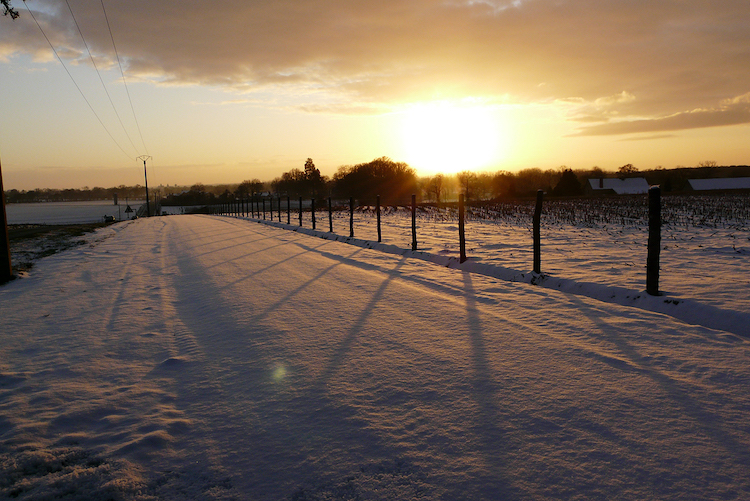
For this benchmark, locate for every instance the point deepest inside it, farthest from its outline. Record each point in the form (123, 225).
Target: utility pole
(148, 204)
(6, 271)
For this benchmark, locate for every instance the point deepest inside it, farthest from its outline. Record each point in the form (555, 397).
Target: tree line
(84, 194)
(394, 182)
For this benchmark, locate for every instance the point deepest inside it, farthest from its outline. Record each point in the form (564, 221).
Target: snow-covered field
(205, 357)
(67, 212)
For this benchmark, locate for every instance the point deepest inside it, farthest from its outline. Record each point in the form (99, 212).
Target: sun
(447, 137)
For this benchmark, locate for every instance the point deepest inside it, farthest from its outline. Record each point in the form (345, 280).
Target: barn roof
(628, 186)
(727, 183)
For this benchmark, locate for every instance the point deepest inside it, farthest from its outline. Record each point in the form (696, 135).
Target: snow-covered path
(197, 357)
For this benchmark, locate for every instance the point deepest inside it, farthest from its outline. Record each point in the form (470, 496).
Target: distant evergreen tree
(569, 185)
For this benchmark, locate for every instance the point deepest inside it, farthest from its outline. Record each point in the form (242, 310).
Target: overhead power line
(91, 56)
(74, 82)
(123, 77)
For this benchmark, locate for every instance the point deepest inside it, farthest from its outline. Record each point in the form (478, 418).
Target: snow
(67, 212)
(204, 357)
(704, 269)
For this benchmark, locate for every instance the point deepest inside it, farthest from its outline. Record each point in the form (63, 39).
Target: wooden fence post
(461, 232)
(330, 216)
(288, 211)
(312, 211)
(300, 211)
(654, 240)
(377, 214)
(537, 232)
(264, 207)
(351, 217)
(413, 222)
(279, 200)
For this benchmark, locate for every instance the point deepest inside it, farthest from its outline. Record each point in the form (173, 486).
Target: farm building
(617, 186)
(727, 183)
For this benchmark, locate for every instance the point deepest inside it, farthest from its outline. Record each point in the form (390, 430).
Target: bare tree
(708, 163)
(467, 180)
(436, 187)
(249, 186)
(627, 169)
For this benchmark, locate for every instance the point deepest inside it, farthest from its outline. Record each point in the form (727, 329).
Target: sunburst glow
(448, 138)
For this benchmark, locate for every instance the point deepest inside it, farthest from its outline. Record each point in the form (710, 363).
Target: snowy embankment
(197, 357)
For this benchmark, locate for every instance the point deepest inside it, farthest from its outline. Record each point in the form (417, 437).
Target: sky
(235, 90)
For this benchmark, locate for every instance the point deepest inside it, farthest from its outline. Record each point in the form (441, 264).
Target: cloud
(653, 59)
(649, 137)
(733, 111)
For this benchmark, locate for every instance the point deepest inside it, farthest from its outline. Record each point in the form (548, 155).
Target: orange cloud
(658, 57)
(732, 112)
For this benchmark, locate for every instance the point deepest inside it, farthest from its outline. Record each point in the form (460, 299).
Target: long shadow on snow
(689, 310)
(298, 290)
(245, 241)
(436, 286)
(709, 423)
(494, 439)
(284, 441)
(345, 346)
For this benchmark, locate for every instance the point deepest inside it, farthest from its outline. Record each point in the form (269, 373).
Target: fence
(269, 208)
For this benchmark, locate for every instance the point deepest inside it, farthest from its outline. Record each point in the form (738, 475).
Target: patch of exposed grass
(31, 242)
